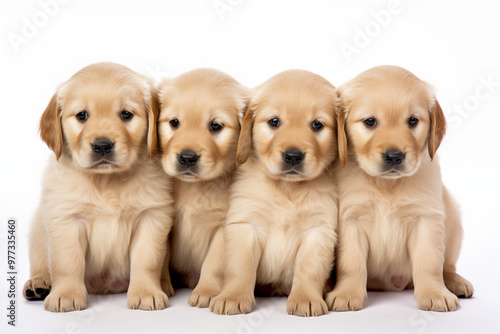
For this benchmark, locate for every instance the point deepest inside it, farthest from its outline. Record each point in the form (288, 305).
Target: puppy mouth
(187, 175)
(292, 174)
(103, 164)
(391, 173)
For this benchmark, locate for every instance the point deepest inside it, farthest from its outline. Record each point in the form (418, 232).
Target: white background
(451, 44)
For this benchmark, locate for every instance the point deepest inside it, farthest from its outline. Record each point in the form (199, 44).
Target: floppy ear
(342, 137)
(245, 140)
(245, 105)
(50, 127)
(153, 106)
(437, 128)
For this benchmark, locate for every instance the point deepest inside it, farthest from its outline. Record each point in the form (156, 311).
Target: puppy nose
(393, 157)
(102, 146)
(293, 156)
(188, 158)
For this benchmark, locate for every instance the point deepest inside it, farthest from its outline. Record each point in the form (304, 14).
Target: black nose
(102, 146)
(188, 158)
(293, 156)
(393, 157)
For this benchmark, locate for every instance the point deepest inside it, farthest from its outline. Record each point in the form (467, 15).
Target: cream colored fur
(197, 99)
(399, 228)
(101, 227)
(281, 226)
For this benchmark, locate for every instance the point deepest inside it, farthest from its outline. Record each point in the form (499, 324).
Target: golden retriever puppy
(398, 225)
(281, 225)
(106, 207)
(199, 125)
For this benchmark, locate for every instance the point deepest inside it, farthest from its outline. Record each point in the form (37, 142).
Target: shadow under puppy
(199, 126)
(281, 225)
(398, 225)
(106, 207)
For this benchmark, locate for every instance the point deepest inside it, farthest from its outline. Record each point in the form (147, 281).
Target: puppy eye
(214, 127)
(317, 125)
(82, 116)
(275, 122)
(126, 115)
(412, 121)
(370, 122)
(174, 123)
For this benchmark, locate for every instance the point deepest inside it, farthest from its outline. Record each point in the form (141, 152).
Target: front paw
(166, 286)
(145, 299)
(306, 306)
(437, 300)
(37, 287)
(201, 296)
(234, 303)
(66, 300)
(340, 300)
(458, 285)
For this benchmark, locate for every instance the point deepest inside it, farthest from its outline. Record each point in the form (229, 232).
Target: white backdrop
(451, 44)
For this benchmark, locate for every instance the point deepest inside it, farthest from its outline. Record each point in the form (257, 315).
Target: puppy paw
(37, 288)
(143, 299)
(306, 306)
(437, 300)
(458, 285)
(201, 297)
(66, 300)
(167, 287)
(340, 301)
(229, 304)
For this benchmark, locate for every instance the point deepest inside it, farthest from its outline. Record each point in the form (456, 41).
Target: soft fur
(398, 225)
(199, 100)
(281, 226)
(103, 221)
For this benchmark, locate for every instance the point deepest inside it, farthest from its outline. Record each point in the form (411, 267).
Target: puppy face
(99, 118)
(199, 124)
(390, 118)
(291, 127)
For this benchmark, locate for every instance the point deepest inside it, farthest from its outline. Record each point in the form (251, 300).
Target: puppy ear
(437, 128)
(50, 127)
(245, 101)
(153, 106)
(245, 140)
(342, 137)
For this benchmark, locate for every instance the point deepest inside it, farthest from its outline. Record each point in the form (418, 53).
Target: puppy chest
(388, 235)
(192, 234)
(282, 241)
(277, 264)
(109, 237)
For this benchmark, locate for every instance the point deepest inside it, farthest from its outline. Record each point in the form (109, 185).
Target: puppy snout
(394, 157)
(188, 158)
(293, 156)
(102, 146)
